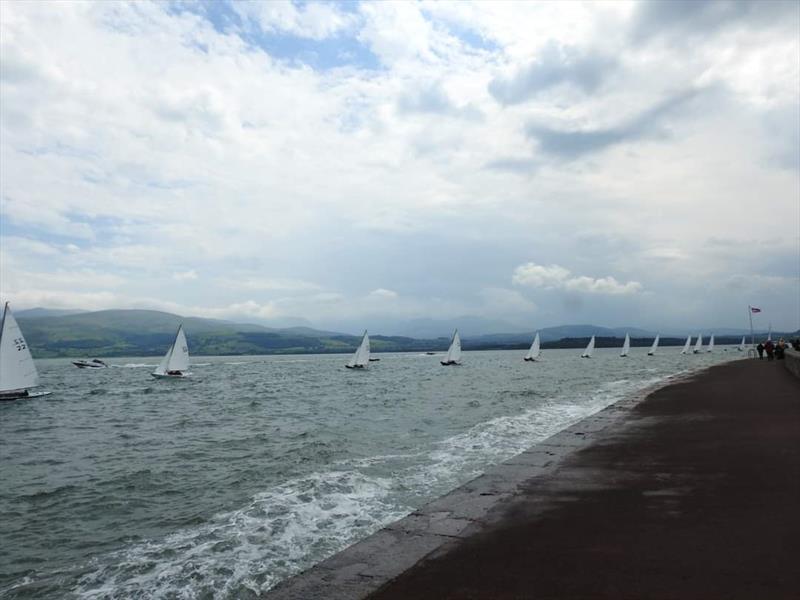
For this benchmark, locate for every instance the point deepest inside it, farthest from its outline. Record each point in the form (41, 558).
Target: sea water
(220, 485)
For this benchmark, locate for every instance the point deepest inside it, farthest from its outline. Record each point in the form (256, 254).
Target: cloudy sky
(364, 163)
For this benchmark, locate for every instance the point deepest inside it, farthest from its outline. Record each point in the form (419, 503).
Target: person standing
(769, 348)
(760, 349)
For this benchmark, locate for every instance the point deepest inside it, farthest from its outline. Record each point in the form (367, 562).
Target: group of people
(775, 351)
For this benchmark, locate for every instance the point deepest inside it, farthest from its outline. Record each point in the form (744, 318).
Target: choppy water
(119, 485)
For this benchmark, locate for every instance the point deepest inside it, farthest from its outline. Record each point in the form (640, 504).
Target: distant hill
(148, 333)
(46, 312)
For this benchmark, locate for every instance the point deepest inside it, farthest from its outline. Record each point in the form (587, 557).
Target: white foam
(280, 532)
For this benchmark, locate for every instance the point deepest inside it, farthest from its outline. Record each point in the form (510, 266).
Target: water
(221, 485)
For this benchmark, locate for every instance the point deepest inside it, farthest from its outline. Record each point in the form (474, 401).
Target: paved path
(694, 494)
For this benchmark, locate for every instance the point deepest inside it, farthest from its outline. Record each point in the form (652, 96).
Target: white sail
(534, 351)
(361, 355)
(654, 347)
(17, 370)
(454, 352)
(177, 357)
(698, 345)
(687, 344)
(741, 346)
(769, 334)
(626, 345)
(589, 349)
(710, 344)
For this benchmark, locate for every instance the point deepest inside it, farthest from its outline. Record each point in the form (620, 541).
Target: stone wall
(792, 361)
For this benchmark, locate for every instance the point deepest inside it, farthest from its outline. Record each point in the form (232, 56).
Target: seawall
(792, 362)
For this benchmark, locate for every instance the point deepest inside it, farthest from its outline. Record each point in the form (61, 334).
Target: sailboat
(687, 344)
(769, 333)
(360, 359)
(626, 346)
(698, 346)
(589, 349)
(454, 352)
(534, 351)
(17, 370)
(176, 361)
(710, 344)
(654, 347)
(741, 345)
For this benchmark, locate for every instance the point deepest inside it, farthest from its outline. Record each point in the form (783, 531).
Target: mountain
(468, 326)
(47, 312)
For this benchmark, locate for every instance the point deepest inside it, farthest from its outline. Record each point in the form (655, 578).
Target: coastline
(440, 525)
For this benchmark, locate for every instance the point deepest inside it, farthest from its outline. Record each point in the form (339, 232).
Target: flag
(753, 309)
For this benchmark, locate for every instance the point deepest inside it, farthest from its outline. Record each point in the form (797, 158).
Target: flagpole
(752, 337)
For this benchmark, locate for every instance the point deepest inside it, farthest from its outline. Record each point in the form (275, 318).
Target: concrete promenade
(693, 492)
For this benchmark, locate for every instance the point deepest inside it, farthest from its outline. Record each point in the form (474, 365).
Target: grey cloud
(520, 166)
(702, 17)
(432, 99)
(572, 144)
(556, 65)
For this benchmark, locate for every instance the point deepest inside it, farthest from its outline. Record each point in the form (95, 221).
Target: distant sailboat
(454, 352)
(360, 359)
(589, 349)
(769, 333)
(698, 346)
(626, 346)
(17, 370)
(687, 344)
(654, 347)
(741, 345)
(534, 351)
(710, 344)
(176, 361)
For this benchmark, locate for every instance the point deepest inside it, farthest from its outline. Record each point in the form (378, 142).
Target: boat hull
(21, 395)
(166, 376)
(354, 366)
(449, 363)
(529, 359)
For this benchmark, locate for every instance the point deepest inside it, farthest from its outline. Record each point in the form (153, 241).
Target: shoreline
(436, 527)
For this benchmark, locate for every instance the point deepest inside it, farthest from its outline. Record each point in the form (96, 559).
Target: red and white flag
(753, 309)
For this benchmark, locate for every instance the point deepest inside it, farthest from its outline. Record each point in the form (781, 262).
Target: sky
(363, 164)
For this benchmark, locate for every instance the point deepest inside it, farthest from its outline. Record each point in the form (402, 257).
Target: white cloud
(557, 277)
(185, 275)
(315, 20)
(383, 293)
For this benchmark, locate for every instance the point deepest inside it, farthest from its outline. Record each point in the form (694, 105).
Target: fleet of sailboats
(454, 352)
(654, 347)
(626, 346)
(360, 359)
(589, 349)
(534, 351)
(175, 363)
(18, 374)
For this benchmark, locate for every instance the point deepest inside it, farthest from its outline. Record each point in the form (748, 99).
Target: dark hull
(449, 363)
(354, 367)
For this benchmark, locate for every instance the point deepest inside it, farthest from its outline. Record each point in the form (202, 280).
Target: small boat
(18, 372)
(360, 359)
(698, 345)
(626, 346)
(454, 352)
(534, 351)
(95, 363)
(374, 360)
(741, 345)
(687, 344)
(654, 347)
(430, 353)
(710, 344)
(175, 363)
(589, 349)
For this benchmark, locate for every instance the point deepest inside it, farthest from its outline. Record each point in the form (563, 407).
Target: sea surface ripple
(221, 485)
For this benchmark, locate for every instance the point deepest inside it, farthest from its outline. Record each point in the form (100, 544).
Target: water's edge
(365, 566)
